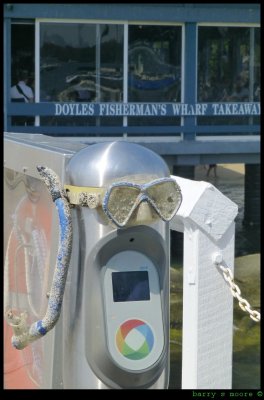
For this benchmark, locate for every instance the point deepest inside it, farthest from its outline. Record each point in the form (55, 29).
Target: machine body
(116, 303)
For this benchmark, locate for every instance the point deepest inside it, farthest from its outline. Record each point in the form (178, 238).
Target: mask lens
(121, 201)
(166, 198)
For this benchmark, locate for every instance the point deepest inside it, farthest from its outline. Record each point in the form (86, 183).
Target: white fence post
(206, 217)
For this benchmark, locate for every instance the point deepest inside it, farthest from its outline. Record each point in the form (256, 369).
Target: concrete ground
(227, 172)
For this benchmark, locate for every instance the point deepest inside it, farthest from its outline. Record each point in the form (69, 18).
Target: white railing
(206, 218)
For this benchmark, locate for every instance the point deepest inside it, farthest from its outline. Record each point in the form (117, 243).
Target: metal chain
(236, 292)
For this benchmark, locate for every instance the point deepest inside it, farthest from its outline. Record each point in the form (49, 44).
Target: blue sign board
(155, 109)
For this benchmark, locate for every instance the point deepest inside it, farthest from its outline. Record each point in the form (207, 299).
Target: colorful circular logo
(134, 339)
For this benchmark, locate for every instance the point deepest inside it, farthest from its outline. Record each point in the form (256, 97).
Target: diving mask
(121, 199)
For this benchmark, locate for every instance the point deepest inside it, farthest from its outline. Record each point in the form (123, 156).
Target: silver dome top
(104, 163)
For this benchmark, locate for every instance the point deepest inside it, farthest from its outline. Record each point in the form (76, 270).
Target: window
(228, 69)
(154, 68)
(81, 62)
(23, 51)
(228, 60)
(22, 67)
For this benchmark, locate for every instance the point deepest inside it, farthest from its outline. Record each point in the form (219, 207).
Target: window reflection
(111, 63)
(228, 64)
(154, 65)
(67, 62)
(22, 51)
(81, 63)
(228, 69)
(154, 58)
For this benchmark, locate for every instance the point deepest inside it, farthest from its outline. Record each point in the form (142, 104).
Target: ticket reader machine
(133, 313)
(116, 303)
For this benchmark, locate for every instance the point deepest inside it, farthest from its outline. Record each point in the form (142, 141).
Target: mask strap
(85, 196)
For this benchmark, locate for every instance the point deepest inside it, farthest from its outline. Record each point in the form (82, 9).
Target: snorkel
(23, 333)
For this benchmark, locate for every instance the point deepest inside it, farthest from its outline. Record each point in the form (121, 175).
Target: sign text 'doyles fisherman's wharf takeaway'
(156, 109)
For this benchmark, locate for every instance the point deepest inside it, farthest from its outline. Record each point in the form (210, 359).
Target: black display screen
(130, 286)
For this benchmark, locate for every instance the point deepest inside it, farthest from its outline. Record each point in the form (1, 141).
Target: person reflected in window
(21, 92)
(240, 92)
